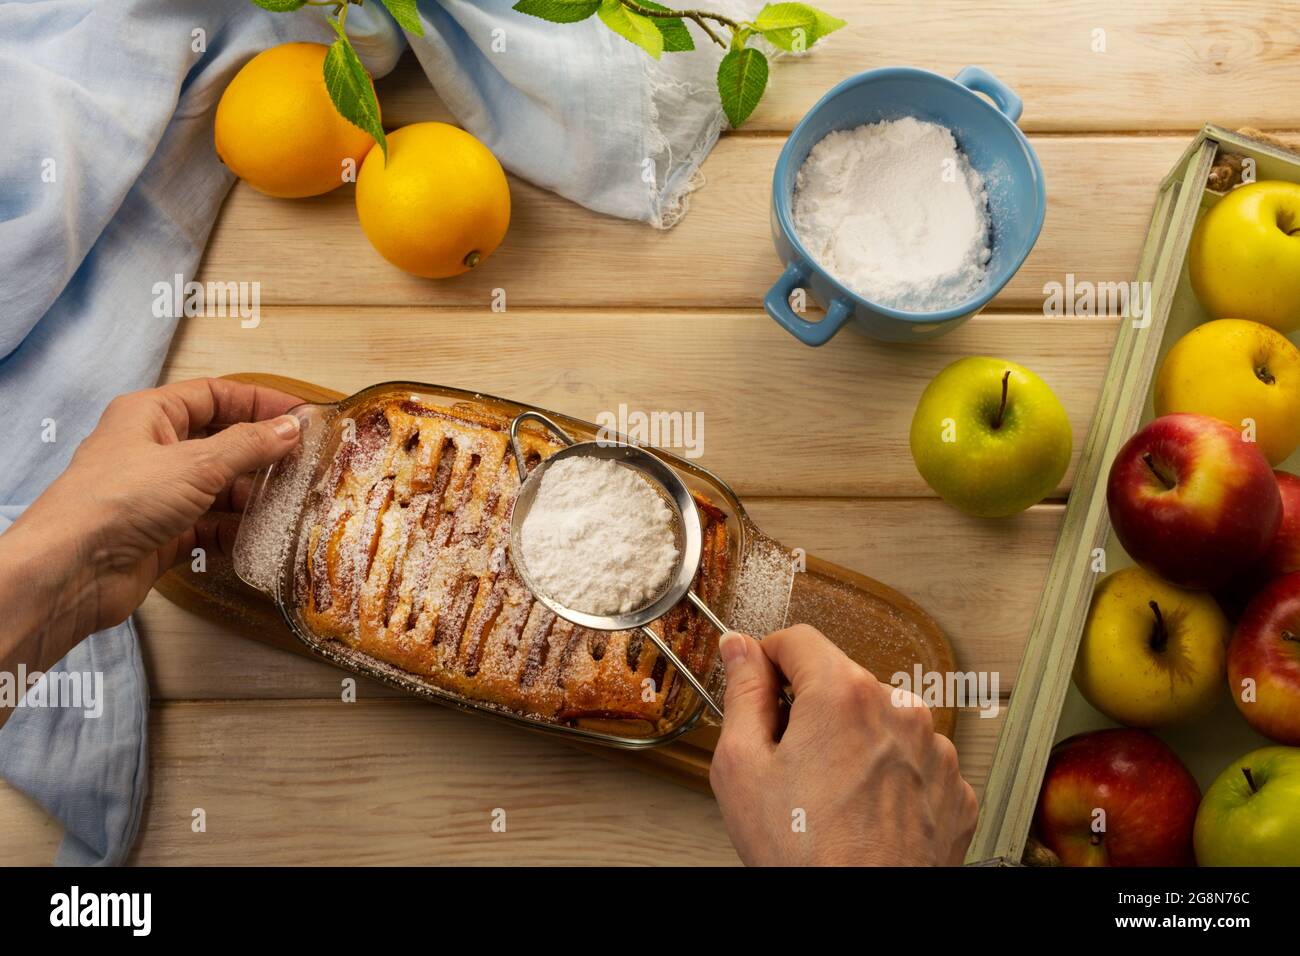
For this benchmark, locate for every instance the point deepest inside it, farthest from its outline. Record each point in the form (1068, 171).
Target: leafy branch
(655, 28)
(742, 74)
(346, 78)
(700, 18)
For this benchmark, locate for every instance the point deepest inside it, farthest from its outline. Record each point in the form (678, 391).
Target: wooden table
(603, 311)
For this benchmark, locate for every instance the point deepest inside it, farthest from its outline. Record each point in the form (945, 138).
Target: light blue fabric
(576, 108)
(109, 184)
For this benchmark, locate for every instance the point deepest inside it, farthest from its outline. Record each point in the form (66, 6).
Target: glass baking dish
(271, 535)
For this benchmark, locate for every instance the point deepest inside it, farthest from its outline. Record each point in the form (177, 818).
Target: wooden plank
(1100, 194)
(399, 782)
(1164, 66)
(984, 603)
(779, 418)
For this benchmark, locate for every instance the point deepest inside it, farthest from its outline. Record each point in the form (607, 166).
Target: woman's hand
(851, 779)
(142, 491)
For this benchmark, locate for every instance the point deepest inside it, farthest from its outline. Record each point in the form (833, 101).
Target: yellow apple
(1244, 258)
(1235, 370)
(1152, 654)
(990, 437)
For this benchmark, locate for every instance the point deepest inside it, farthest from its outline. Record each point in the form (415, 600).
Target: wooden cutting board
(875, 625)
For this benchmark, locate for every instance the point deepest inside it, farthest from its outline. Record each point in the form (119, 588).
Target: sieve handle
(707, 612)
(518, 452)
(666, 650)
(723, 629)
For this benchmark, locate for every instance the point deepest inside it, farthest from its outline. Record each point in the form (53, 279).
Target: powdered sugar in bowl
(996, 173)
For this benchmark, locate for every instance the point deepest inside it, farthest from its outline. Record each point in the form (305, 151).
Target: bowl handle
(982, 81)
(777, 304)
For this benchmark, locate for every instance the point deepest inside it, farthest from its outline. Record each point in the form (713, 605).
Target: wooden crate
(1045, 706)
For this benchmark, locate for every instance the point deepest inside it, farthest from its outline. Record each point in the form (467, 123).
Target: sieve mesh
(524, 503)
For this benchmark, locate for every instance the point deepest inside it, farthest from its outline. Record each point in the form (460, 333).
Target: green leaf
(677, 39)
(558, 11)
(406, 14)
(633, 27)
(742, 77)
(280, 6)
(350, 89)
(794, 26)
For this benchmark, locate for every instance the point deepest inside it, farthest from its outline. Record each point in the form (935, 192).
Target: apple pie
(403, 556)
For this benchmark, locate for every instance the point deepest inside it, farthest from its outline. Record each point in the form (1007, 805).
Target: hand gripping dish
(384, 539)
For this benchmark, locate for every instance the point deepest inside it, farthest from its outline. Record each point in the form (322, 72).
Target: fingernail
(286, 426)
(732, 647)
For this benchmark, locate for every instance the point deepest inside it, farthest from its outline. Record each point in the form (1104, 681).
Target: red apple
(1283, 556)
(1265, 651)
(1193, 502)
(1234, 597)
(1117, 797)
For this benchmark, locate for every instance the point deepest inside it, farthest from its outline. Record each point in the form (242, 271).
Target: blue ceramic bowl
(996, 148)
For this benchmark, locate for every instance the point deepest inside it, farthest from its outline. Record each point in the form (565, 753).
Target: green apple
(1250, 816)
(990, 437)
(1152, 654)
(1244, 259)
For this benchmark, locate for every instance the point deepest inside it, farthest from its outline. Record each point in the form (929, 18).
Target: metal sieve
(686, 527)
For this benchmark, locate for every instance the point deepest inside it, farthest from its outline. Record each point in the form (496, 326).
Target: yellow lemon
(278, 130)
(439, 206)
